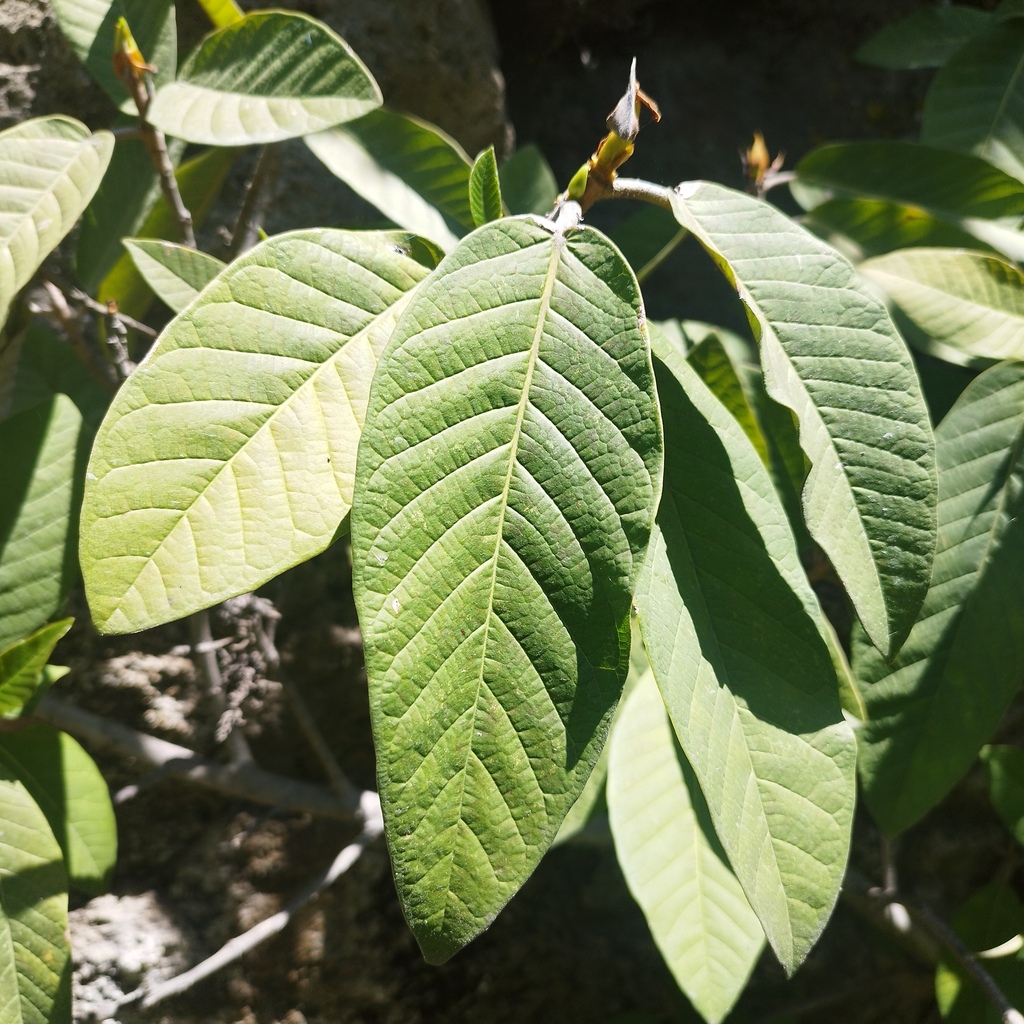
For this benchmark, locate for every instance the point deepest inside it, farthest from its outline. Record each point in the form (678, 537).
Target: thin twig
(245, 234)
(237, 947)
(242, 781)
(98, 307)
(69, 322)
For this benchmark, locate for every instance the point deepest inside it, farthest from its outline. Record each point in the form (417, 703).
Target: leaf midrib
(557, 247)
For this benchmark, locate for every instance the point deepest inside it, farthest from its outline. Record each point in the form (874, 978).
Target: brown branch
(244, 234)
(244, 781)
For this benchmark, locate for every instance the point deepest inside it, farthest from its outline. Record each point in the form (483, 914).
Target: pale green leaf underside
(696, 910)
(968, 301)
(735, 639)
(976, 103)
(831, 354)
(273, 75)
(928, 715)
(506, 484)
(89, 26)
(66, 784)
(33, 909)
(49, 169)
(44, 451)
(229, 455)
(176, 273)
(22, 663)
(410, 170)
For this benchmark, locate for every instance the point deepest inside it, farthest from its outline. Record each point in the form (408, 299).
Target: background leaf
(968, 301)
(273, 75)
(672, 861)
(506, 485)
(222, 12)
(228, 456)
(927, 714)
(66, 784)
(528, 184)
(45, 451)
(22, 663)
(734, 636)
(831, 354)
(484, 189)
(49, 169)
(647, 238)
(925, 39)
(976, 103)
(34, 959)
(1005, 768)
(176, 273)
(88, 26)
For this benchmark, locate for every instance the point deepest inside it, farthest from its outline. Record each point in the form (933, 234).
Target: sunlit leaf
(22, 664)
(925, 39)
(506, 484)
(228, 456)
(484, 189)
(831, 354)
(735, 638)
(272, 75)
(49, 169)
(969, 302)
(222, 12)
(66, 784)
(928, 715)
(176, 273)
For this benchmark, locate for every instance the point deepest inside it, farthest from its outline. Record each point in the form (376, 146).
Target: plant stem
(244, 234)
(637, 188)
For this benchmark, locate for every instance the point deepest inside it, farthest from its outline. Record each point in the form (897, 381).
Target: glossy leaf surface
(927, 715)
(66, 784)
(506, 484)
(176, 273)
(49, 169)
(831, 354)
(672, 861)
(734, 635)
(228, 456)
(272, 75)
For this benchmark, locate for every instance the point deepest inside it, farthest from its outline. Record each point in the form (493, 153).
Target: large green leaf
(735, 638)
(976, 103)
(271, 75)
(66, 784)
(22, 664)
(925, 39)
(89, 28)
(228, 456)
(673, 864)
(176, 273)
(968, 302)
(1005, 768)
(908, 182)
(49, 169)
(410, 170)
(44, 452)
(928, 714)
(35, 966)
(507, 479)
(527, 182)
(831, 354)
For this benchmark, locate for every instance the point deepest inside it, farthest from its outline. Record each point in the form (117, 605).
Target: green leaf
(831, 354)
(89, 27)
(735, 638)
(484, 189)
(925, 39)
(228, 456)
(273, 75)
(1005, 769)
(976, 103)
(410, 170)
(175, 272)
(990, 924)
(66, 784)
(528, 184)
(968, 302)
(45, 451)
(648, 238)
(222, 12)
(49, 169)
(126, 197)
(505, 489)
(22, 664)
(199, 181)
(35, 965)
(672, 861)
(928, 715)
